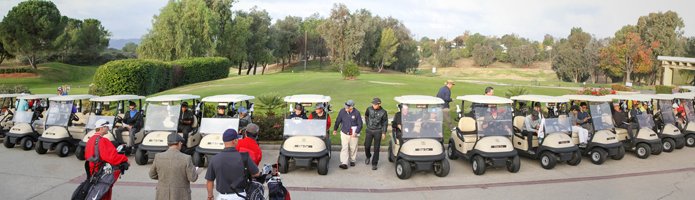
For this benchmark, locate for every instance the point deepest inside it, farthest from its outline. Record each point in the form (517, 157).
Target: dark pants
(529, 139)
(185, 129)
(119, 134)
(629, 128)
(373, 135)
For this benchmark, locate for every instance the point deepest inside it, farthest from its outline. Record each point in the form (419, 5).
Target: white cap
(102, 123)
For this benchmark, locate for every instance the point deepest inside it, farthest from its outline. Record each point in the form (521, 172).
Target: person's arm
(366, 116)
(527, 124)
(109, 154)
(338, 121)
(190, 170)
(447, 95)
(328, 120)
(210, 185)
(153, 170)
(359, 121)
(253, 169)
(385, 122)
(210, 177)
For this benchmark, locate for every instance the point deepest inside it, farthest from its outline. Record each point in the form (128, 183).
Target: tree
(286, 38)
(473, 40)
(66, 43)
(407, 56)
(258, 51)
(343, 33)
(316, 46)
(576, 58)
(388, 45)
(664, 28)
(522, 55)
(30, 28)
(130, 47)
(627, 53)
(373, 28)
(483, 55)
(690, 47)
(3, 53)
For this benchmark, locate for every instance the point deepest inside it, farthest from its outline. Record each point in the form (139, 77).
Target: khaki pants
(348, 148)
(447, 119)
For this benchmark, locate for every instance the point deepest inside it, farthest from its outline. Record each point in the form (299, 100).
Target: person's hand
(383, 136)
(353, 135)
(335, 132)
(211, 197)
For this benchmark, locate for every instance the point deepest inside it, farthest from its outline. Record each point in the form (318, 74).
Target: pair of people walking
(349, 121)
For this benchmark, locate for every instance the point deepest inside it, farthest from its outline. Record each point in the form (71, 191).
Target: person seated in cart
(582, 133)
(493, 119)
(397, 123)
(186, 121)
(298, 112)
(244, 117)
(621, 121)
(221, 112)
(532, 124)
(320, 113)
(132, 122)
(583, 117)
(430, 125)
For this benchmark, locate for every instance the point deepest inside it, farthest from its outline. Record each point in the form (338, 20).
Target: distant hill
(119, 43)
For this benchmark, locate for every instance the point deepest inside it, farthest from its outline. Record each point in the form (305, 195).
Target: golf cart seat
(519, 123)
(82, 119)
(466, 129)
(621, 133)
(195, 122)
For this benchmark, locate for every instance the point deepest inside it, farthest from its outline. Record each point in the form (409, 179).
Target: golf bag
(254, 189)
(97, 184)
(276, 191)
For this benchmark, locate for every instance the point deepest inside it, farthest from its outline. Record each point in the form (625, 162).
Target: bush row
(202, 69)
(16, 70)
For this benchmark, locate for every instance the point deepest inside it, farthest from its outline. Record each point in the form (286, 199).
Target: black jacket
(135, 121)
(376, 119)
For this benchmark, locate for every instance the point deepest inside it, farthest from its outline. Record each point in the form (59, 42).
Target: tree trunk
(263, 71)
(32, 62)
(255, 65)
(2, 57)
(240, 65)
(250, 66)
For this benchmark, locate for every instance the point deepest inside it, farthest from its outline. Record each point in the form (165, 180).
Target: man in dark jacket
(186, 122)
(445, 94)
(132, 122)
(351, 122)
(377, 123)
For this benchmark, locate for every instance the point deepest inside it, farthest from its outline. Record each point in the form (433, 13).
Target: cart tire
(576, 158)
(620, 155)
(141, 157)
(478, 165)
(63, 149)
(657, 150)
(403, 169)
(548, 160)
(283, 164)
(514, 164)
(598, 156)
(643, 151)
(450, 150)
(668, 144)
(39, 148)
(7, 143)
(79, 153)
(322, 166)
(198, 159)
(441, 168)
(27, 143)
(391, 157)
(690, 140)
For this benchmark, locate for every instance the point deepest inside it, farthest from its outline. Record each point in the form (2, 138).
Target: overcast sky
(128, 19)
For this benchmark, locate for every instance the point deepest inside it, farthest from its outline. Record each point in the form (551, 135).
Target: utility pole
(306, 57)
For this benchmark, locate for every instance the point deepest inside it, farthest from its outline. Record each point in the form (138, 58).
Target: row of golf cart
(490, 131)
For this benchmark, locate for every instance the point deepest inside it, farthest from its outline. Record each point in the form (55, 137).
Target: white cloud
(432, 18)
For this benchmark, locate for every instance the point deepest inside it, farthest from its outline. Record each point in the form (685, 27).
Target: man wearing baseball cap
(227, 168)
(249, 143)
(351, 122)
(445, 94)
(107, 152)
(174, 171)
(377, 122)
(320, 113)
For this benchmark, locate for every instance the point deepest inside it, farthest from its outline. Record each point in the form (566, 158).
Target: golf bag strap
(247, 174)
(95, 158)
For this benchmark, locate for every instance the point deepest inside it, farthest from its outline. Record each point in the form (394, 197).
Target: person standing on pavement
(227, 169)
(445, 94)
(351, 122)
(107, 153)
(174, 171)
(249, 143)
(377, 123)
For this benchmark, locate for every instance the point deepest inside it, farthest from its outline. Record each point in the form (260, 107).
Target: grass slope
(52, 75)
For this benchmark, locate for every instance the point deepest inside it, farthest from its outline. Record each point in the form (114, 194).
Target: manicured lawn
(53, 75)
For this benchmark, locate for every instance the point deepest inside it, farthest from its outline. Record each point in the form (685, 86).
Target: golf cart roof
(484, 99)
(686, 95)
(71, 97)
(227, 98)
(113, 98)
(688, 87)
(172, 97)
(540, 98)
(589, 98)
(633, 97)
(418, 99)
(663, 96)
(11, 95)
(307, 98)
(36, 96)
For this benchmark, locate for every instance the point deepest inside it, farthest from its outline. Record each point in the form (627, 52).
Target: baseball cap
(101, 123)
(174, 138)
(230, 135)
(242, 110)
(252, 128)
(450, 81)
(350, 103)
(376, 100)
(319, 105)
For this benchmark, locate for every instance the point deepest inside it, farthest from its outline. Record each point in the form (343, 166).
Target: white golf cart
(162, 118)
(65, 124)
(212, 126)
(418, 145)
(7, 100)
(483, 135)
(688, 129)
(668, 129)
(603, 141)
(28, 125)
(104, 108)
(646, 141)
(306, 141)
(555, 132)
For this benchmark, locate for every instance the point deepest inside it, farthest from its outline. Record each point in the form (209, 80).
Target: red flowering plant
(596, 91)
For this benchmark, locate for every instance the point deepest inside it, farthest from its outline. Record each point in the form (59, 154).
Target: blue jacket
(348, 120)
(445, 94)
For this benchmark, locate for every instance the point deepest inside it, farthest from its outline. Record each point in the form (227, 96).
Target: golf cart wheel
(27, 143)
(450, 150)
(643, 151)
(548, 160)
(198, 159)
(441, 168)
(7, 143)
(63, 149)
(668, 145)
(576, 159)
(620, 155)
(79, 153)
(657, 150)
(39, 148)
(391, 157)
(322, 166)
(680, 145)
(141, 157)
(283, 164)
(690, 140)
(598, 156)
(514, 164)
(403, 170)
(478, 165)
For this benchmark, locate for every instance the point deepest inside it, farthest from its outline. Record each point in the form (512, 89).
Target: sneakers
(343, 166)
(373, 167)
(366, 161)
(352, 164)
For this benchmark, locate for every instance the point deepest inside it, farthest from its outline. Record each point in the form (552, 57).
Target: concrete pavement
(27, 175)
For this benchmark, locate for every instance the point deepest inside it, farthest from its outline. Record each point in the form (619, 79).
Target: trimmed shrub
(14, 89)
(133, 76)
(663, 89)
(271, 127)
(196, 70)
(16, 70)
(351, 71)
(618, 87)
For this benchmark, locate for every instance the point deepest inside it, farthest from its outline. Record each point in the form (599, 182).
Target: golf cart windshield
(666, 107)
(218, 125)
(22, 117)
(304, 127)
(645, 121)
(601, 116)
(94, 118)
(494, 120)
(557, 125)
(162, 117)
(59, 113)
(422, 122)
(689, 110)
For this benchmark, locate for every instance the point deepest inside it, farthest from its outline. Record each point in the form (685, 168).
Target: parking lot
(27, 175)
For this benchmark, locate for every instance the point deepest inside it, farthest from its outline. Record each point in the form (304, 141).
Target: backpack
(97, 184)
(276, 191)
(254, 189)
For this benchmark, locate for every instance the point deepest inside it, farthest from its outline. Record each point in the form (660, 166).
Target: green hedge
(196, 70)
(663, 89)
(132, 76)
(16, 70)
